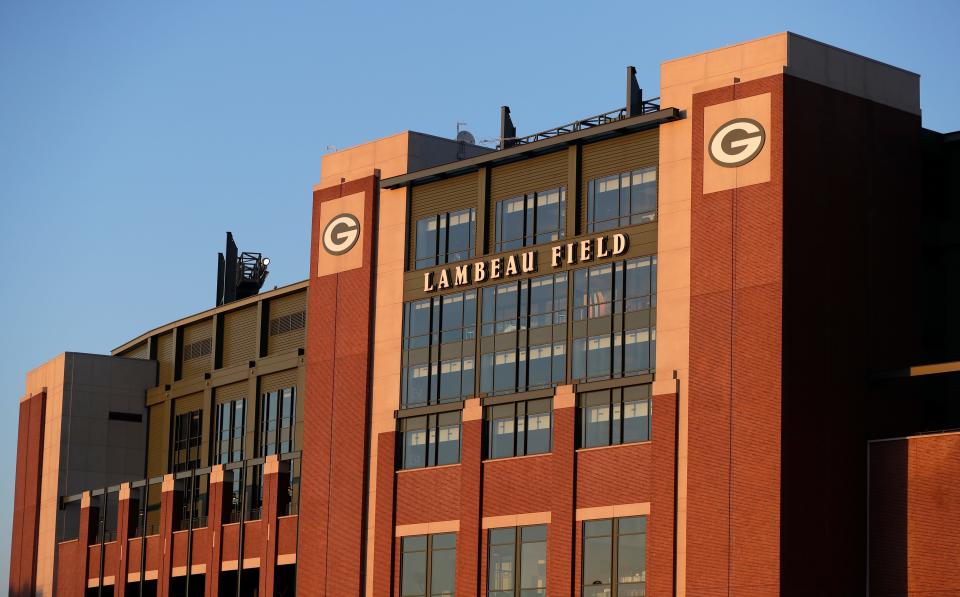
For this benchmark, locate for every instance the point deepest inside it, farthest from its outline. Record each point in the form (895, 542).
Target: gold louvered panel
(165, 357)
(614, 156)
(286, 313)
(197, 357)
(525, 176)
(158, 439)
(140, 351)
(278, 381)
(442, 196)
(234, 391)
(240, 336)
(187, 404)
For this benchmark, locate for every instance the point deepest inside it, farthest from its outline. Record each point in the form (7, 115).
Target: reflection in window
(631, 352)
(430, 440)
(530, 219)
(616, 416)
(614, 557)
(445, 238)
(517, 562)
(277, 420)
(429, 324)
(526, 304)
(611, 288)
(428, 565)
(519, 428)
(622, 200)
(187, 434)
(230, 419)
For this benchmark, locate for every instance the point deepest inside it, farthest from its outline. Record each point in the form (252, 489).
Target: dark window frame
(190, 442)
(625, 215)
(233, 434)
(522, 410)
(615, 534)
(517, 560)
(441, 255)
(274, 429)
(529, 235)
(432, 426)
(616, 421)
(428, 550)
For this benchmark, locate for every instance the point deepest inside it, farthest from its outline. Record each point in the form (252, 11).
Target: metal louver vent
(195, 350)
(288, 323)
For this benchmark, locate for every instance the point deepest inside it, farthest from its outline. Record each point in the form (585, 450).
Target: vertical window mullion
(614, 557)
(517, 555)
(427, 589)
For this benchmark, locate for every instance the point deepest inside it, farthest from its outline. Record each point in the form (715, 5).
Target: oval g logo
(737, 142)
(341, 233)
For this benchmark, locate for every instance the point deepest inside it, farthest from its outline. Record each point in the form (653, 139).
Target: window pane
(636, 421)
(426, 242)
(599, 355)
(533, 565)
(460, 235)
(443, 568)
(510, 215)
(448, 445)
(597, 565)
(415, 448)
(643, 195)
(414, 574)
(549, 217)
(596, 420)
(637, 350)
(538, 433)
(501, 569)
(418, 384)
(504, 371)
(606, 203)
(445, 541)
(539, 365)
(451, 317)
(631, 555)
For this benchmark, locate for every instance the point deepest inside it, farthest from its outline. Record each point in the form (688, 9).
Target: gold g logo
(736, 142)
(341, 233)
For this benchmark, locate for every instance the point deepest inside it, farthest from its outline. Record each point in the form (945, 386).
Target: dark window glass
(429, 324)
(530, 219)
(630, 352)
(277, 422)
(445, 238)
(187, 435)
(622, 200)
(430, 440)
(519, 428)
(615, 416)
(230, 418)
(620, 287)
(614, 557)
(428, 565)
(517, 562)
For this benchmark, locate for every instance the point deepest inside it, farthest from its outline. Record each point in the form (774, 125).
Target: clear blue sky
(133, 134)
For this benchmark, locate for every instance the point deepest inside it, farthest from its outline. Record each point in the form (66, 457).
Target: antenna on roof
(239, 276)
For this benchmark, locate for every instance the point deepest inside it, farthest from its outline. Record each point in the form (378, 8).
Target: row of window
(275, 430)
(605, 418)
(440, 333)
(612, 201)
(613, 563)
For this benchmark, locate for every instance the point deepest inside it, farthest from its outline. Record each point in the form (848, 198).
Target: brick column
(169, 506)
(89, 517)
(384, 519)
(471, 484)
(217, 506)
(124, 511)
(660, 525)
(268, 515)
(560, 549)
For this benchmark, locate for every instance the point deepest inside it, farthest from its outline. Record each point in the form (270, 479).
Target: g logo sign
(737, 142)
(341, 233)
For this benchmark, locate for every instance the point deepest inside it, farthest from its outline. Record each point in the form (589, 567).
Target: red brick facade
(26, 499)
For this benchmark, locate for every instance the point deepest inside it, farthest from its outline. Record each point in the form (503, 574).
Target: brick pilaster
(168, 510)
(271, 500)
(218, 505)
(471, 463)
(124, 511)
(560, 548)
(89, 517)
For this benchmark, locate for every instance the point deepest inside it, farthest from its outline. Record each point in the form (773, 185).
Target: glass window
(533, 303)
(614, 557)
(517, 562)
(622, 200)
(630, 352)
(277, 422)
(187, 434)
(230, 419)
(430, 440)
(615, 416)
(620, 287)
(445, 238)
(428, 324)
(519, 428)
(428, 565)
(530, 219)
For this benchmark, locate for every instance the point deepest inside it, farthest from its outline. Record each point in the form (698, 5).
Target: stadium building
(705, 344)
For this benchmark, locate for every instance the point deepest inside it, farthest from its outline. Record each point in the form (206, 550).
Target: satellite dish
(466, 137)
